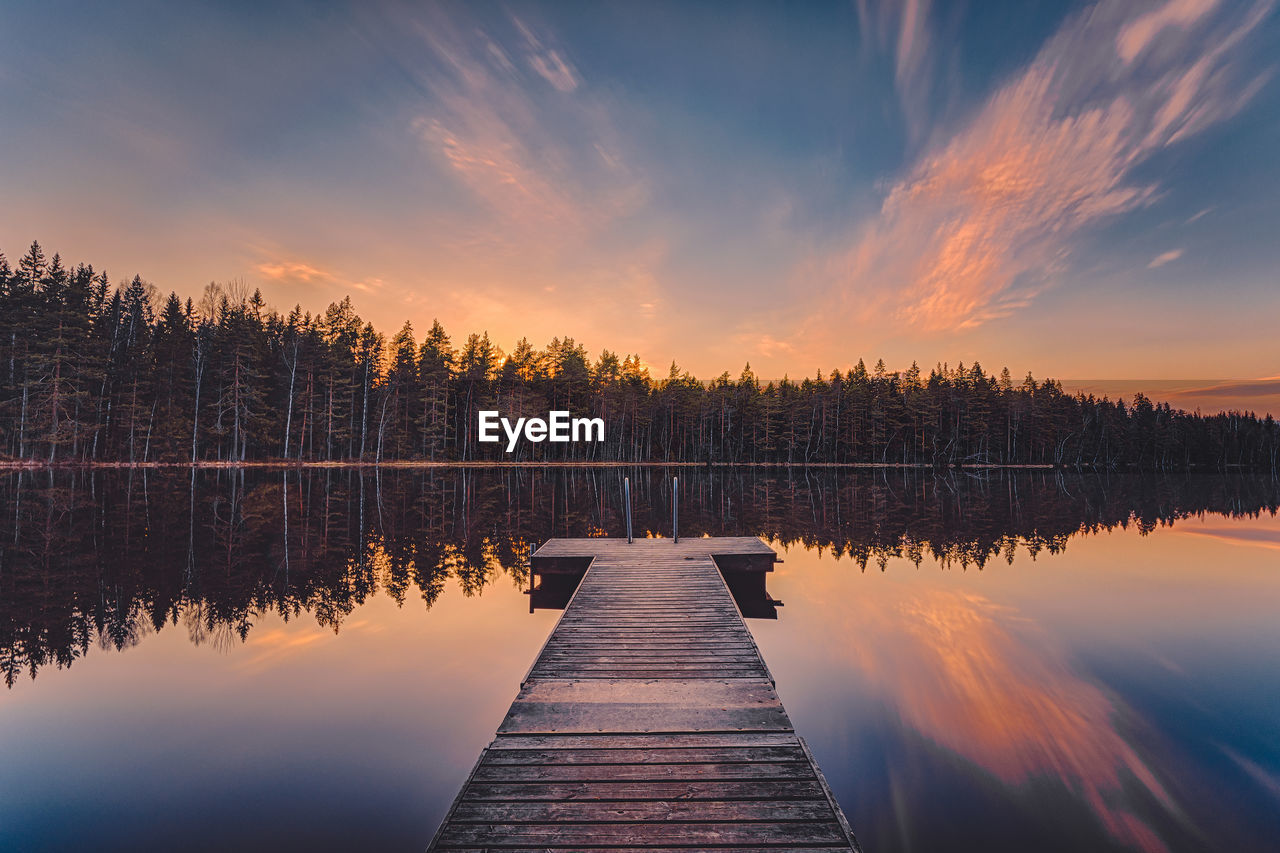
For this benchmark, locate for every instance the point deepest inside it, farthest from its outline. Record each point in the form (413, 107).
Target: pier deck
(649, 720)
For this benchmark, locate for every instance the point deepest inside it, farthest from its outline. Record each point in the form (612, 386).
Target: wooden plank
(691, 627)
(674, 740)
(604, 546)
(649, 672)
(543, 848)
(657, 646)
(622, 669)
(477, 811)
(635, 792)
(635, 704)
(673, 661)
(724, 655)
(641, 772)
(572, 835)
(729, 620)
(621, 717)
(661, 642)
(645, 755)
(649, 721)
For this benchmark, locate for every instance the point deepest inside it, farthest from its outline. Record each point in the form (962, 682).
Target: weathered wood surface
(649, 721)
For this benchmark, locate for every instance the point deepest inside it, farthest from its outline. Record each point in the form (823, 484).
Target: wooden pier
(649, 721)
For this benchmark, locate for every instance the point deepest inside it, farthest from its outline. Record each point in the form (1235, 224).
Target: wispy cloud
(1252, 537)
(1137, 34)
(768, 345)
(1242, 388)
(548, 63)
(291, 271)
(1255, 395)
(297, 278)
(1164, 258)
(902, 26)
(551, 171)
(985, 220)
(548, 216)
(1206, 395)
(1266, 779)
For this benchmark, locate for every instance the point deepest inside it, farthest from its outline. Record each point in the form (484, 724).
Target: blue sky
(1075, 189)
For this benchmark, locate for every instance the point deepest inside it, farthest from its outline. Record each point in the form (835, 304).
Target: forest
(92, 372)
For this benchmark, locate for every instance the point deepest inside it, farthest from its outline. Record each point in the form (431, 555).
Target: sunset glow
(1076, 190)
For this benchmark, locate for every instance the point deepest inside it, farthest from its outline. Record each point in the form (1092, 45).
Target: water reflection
(958, 695)
(108, 557)
(1100, 699)
(980, 680)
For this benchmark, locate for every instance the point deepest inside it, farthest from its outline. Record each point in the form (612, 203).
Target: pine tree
(174, 339)
(476, 365)
(435, 371)
(402, 397)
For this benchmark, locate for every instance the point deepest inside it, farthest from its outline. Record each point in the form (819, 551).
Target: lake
(312, 659)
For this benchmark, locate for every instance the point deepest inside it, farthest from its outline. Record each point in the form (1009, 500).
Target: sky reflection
(976, 678)
(1106, 682)
(1025, 662)
(298, 738)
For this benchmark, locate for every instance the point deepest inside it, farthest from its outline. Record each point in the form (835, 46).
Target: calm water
(270, 660)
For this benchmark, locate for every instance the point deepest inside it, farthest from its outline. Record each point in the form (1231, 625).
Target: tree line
(139, 551)
(96, 372)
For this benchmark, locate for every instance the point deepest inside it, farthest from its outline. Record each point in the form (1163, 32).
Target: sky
(1073, 189)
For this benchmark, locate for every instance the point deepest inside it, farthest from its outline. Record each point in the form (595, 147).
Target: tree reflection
(108, 557)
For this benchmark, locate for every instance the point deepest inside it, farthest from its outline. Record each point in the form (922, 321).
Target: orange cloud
(1257, 395)
(552, 172)
(1266, 387)
(984, 221)
(549, 64)
(490, 159)
(1138, 33)
(769, 346)
(290, 271)
(1250, 537)
(1164, 258)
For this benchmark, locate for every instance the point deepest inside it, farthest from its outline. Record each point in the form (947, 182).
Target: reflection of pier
(649, 719)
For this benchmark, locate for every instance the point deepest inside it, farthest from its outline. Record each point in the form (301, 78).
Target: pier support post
(626, 496)
(675, 509)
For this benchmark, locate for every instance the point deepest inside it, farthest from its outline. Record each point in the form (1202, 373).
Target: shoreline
(12, 465)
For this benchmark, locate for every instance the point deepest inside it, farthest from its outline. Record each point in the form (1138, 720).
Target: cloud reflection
(975, 678)
(1250, 536)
